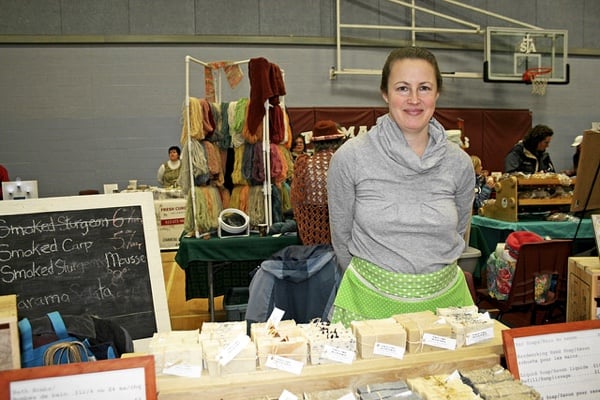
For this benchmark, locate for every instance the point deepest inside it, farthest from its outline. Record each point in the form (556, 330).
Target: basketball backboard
(511, 52)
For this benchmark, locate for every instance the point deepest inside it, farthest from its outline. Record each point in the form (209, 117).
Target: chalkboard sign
(85, 255)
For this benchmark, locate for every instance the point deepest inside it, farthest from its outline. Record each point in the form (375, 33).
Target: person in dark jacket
(529, 155)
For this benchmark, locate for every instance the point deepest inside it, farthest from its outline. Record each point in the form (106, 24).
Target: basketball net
(539, 85)
(538, 77)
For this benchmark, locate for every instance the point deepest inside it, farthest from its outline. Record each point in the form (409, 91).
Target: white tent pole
(267, 167)
(189, 140)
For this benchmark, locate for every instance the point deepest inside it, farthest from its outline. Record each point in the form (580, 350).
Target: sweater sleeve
(341, 198)
(464, 196)
(160, 173)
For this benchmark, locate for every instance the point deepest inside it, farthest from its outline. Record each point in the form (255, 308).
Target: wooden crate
(583, 288)
(10, 357)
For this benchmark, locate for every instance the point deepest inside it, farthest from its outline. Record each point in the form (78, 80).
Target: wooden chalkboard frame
(76, 370)
(143, 200)
(538, 331)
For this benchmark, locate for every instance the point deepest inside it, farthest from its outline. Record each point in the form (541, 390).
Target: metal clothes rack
(266, 142)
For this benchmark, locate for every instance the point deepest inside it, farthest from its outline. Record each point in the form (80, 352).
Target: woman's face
(543, 145)
(411, 94)
(299, 145)
(173, 156)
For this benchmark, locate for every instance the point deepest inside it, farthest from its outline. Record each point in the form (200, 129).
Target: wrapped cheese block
(286, 340)
(223, 330)
(465, 311)
(470, 328)
(423, 323)
(175, 348)
(264, 328)
(328, 343)
(387, 390)
(497, 383)
(373, 334)
(221, 358)
(435, 387)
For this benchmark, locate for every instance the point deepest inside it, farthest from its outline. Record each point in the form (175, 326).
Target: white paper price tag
(276, 316)
(388, 350)
(185, 370)
(439, 341)
(479, 336)
(232, 349)
(338, 355)
(284, 364)
(286, 395)
(348, 396)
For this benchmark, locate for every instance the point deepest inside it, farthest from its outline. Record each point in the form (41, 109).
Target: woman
(529, 155)
(299, 147)
(309, 185)
(168, 173)
(400, 198)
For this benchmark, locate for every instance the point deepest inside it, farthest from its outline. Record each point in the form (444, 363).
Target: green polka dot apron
(370, 292)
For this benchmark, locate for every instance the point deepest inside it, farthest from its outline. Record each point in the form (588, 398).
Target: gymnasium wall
(91, 92)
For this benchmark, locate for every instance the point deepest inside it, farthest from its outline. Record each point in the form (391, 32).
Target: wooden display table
(9, 333)
(260, 384)
(510, 200)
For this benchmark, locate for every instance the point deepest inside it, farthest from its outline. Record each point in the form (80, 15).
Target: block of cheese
(420, 323)
(441, 387)
(244, 361)
(176, 348)
(322, 336)
(376, 332)
(286, 340)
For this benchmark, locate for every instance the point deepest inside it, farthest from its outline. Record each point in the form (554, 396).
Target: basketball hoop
(538, 79)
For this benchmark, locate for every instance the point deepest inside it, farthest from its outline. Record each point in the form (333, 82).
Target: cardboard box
(583, 288)
(170, 219)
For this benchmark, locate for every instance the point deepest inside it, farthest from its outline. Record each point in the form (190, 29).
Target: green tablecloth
(486, 233)
(232, 258)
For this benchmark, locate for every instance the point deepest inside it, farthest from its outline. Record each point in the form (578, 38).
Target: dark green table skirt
(232, 259)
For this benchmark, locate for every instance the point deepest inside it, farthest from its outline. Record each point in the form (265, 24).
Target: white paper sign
(389, 350)
(287, 395)
(276, 316)
(186, 370)
(338, 355)
(439, 341)
(479, 336)
(233, 349)
(561, 365)
(128, 384)
(284, 364)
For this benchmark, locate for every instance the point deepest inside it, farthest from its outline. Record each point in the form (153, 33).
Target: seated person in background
(3, 177)
(577, 144)
(484, 184)
(309, 185)
(529, 155)
(299, 147)
(168, 173)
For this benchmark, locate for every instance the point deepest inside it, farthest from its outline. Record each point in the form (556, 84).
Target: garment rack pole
(266, 142)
